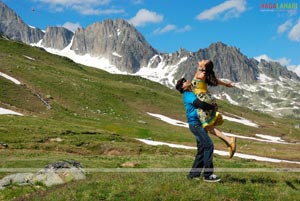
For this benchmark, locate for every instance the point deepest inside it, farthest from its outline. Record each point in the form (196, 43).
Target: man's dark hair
(179, 84)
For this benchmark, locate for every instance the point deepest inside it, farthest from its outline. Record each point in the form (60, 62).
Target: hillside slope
(81, 94)
(93, 118)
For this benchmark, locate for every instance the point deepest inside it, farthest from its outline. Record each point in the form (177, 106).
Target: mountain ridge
(126, 51)
(12, 26)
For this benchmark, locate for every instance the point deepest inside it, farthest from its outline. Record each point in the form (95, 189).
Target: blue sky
(169, 25)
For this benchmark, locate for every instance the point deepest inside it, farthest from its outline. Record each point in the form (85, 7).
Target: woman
(209, 119)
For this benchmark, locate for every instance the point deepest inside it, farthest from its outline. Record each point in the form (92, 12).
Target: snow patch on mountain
(88, 60)
(271, 95)
(14, 80)
(10, 112)
(228, 98)
(163, 73)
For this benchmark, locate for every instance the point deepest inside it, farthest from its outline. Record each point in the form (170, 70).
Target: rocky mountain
(57, 38)
(229, 63)
(12, 26)
(262, 85)
(118, 41)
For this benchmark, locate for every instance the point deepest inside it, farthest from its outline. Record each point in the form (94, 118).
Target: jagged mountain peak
(231, 58)
(222, 48)
(218, 44)
(57, 37)
(12, 26)
(116, 40)
(276, 70)
(229, 62)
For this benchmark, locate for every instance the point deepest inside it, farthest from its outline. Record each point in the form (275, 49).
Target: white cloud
(295, 69)
(168, 28)
(57, 9)
(92, 11)
(294, 34)
(285, 26)
(172, 27)
(76, 2)
(228, 9)
(283, 61)
(144, 16)
(264, 57)
(184, 29)
(71, 26)
(137, 1)
(84, 7)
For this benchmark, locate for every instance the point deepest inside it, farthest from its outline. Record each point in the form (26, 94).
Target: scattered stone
(149, 138)
(18, 178)
(3, 145)
(59, 172)
(112, 152)
(129, 164)
(48, 97)
(141, 122)
(55, 139)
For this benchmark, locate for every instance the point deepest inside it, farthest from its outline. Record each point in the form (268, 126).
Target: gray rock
(3, 145)
(53, 174)
(47, 178)
(13, 27)
(274, 70)
(57, 37)
(229, 63)
(115, 40)
(141, 122)
(18, 178)
(60, 172)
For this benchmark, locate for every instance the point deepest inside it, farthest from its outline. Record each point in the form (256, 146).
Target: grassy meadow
(94, 118)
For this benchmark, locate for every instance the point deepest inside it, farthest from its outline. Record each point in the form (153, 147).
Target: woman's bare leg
(219, 134)
(229, 141)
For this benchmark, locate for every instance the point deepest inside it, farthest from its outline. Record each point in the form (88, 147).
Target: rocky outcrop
(115, 40)
(59, 172)
(57, 37)
(229, 63)
(275, 70)
(12, 26)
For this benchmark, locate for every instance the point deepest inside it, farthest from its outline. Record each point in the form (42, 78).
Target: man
(205, 147)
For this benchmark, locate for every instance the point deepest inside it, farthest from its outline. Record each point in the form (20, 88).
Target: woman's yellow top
(199, 86)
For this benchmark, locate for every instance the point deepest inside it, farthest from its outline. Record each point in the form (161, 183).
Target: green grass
(172, 186)
(97, 115)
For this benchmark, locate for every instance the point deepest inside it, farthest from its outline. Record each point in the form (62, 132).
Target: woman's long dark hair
(211, 79)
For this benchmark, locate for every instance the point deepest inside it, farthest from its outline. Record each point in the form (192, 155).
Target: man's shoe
(192, 178)
(212, 178)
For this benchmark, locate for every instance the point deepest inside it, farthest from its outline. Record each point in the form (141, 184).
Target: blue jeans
(204, 156)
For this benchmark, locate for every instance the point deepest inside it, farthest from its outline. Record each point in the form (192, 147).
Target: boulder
(59, 172)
